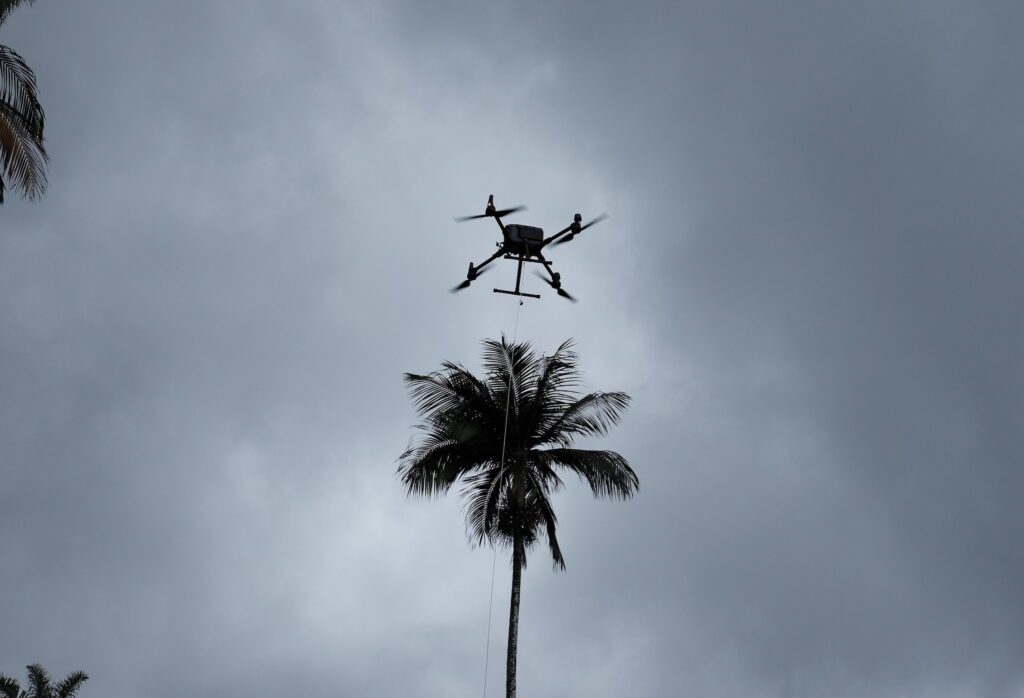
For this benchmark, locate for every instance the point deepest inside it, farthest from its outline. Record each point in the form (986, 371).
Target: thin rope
(490, 609)
(494, 559)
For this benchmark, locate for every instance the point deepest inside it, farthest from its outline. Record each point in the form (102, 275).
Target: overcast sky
(810, 283)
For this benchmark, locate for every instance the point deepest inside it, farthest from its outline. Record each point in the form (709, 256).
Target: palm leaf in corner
(22, 153)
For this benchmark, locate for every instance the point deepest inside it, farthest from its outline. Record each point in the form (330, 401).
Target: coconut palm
(39, 683)
(506, 439)
(22, 155)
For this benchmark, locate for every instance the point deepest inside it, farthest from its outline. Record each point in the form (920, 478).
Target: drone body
(523, 244)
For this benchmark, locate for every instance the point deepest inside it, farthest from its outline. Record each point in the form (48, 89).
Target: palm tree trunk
(513, 619)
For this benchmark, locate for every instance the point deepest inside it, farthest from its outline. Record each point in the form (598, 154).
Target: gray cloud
(809, 283)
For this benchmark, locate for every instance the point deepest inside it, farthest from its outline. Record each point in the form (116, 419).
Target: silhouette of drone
(523, 243)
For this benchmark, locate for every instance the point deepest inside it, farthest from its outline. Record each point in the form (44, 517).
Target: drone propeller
(496, 214)
(558, 288)
(491, 212)
(574, 233)
(472, 276)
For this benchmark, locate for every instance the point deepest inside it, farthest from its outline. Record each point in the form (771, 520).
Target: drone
(522, 244)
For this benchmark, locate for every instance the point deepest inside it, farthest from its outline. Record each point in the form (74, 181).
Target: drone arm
(557, 235)
(501, 251)
(547, 266)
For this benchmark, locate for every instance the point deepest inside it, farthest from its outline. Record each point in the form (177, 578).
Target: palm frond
(548, 480)
(509, 364)
(456, 397)
(556, 552)
(495, 513)
(442, 393)
(607, 473)
(430, 468)
(447, 452)
(592, 415)
(483, 494)
(557, 380)
(22, 155)
(558, 561)
(18, 90)
(466, 377)
(545, 513)
(523, 517)
(38, 682)
(70, 685)
(9, 688)
(8, 6)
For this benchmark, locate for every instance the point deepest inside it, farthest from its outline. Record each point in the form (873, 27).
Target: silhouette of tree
(507, 480)
(22, 155)
(39, 683)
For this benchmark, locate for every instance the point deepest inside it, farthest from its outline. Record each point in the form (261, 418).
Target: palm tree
(505, 438)
(39, 684)
(22, 155)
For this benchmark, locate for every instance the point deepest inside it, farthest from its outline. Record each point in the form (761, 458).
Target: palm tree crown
(39, 683)
(506, 438)
(508, 479)
(22, 155)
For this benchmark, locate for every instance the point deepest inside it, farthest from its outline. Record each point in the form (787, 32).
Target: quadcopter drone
(524, 243)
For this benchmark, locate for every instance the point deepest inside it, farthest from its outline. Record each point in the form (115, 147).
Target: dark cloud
(809, 283)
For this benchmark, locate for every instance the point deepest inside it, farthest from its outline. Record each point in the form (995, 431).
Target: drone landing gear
(517, 293)
(519, 276)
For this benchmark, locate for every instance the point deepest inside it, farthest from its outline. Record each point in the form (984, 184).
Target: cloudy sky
(810, 283)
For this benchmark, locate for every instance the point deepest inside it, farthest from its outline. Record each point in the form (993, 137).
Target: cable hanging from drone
(524, 244)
